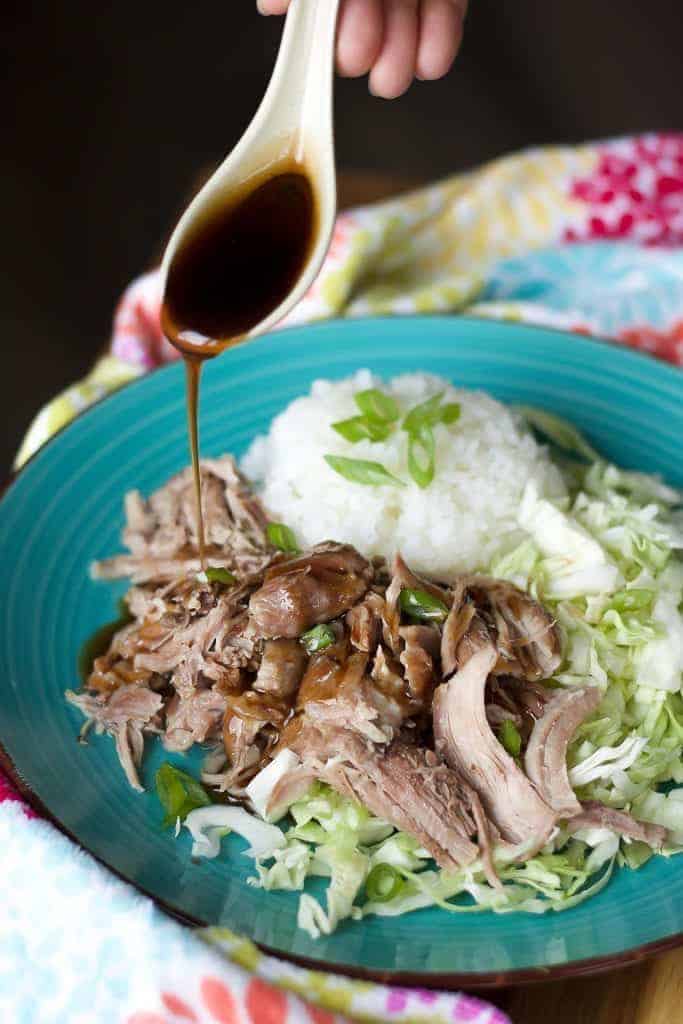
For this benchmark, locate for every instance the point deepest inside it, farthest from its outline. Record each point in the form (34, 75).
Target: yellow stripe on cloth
(108, 374)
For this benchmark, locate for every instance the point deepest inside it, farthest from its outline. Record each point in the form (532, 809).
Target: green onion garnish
(375, 405)
(380, 413)
(421, 456)
(318, 638)
(421, 605)
(361, 471)
(280, 536)
(383, 883)
(632, 600)
(419, 424)
(361, 428)
(217, 574)
(178, 793)
(426, 414)
(450, 413)
(509, 737)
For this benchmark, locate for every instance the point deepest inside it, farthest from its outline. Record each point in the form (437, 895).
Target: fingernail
(260, 7)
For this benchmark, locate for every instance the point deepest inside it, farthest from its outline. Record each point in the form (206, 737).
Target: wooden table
(649, 992)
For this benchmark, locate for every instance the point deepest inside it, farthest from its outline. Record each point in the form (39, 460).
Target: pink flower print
(635, 192)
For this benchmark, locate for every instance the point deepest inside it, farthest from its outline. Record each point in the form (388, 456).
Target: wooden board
(650, 992)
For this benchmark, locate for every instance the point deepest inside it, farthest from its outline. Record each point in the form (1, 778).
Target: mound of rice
(468, 512)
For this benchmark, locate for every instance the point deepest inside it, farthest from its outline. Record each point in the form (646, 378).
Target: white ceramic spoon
(293, 121)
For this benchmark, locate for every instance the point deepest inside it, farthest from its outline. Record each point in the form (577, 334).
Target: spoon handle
(298, 101)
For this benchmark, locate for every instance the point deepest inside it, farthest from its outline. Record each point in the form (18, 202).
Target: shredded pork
(403, 714)
(597, 815)
(161, 532)
(465, 739)
(545, 759)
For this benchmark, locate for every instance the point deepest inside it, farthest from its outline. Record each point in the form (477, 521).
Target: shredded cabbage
(348, 867)
(327, 815)
(605, 761)
(575, 562)
(291, 867)
(549, 881)
(605, 562)
(261, 787)
(663, 809)
(208, 825)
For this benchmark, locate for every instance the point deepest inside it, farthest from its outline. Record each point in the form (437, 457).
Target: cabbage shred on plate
(500, 737)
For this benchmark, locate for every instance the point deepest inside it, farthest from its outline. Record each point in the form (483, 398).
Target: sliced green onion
(509, 737)
(361, 428)
(318, 638)
(421, 605)
(217, 574)
(429, 413)
(418, 425)
(383, 883)
(450, 413)
(178, 793)
(632, 600)
(374, 404)
(361, 471)
(421, 462)
(426, 414)
(280, 536)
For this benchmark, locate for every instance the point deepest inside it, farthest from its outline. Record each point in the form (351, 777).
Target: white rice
(468, 512)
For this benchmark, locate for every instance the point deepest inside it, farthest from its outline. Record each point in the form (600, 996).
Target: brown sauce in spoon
(236, 267)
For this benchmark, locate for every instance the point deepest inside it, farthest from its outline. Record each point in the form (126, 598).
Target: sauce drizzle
(193, 369)
(239, 265)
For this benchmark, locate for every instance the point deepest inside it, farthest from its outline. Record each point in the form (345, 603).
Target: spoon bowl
(292, 128)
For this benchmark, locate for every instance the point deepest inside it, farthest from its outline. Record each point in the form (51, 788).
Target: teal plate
(66, 509)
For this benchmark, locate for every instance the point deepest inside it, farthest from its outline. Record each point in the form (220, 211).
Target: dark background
(113, 111)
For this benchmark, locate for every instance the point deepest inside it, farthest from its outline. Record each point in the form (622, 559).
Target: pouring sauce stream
(193, 369)
(237, 266)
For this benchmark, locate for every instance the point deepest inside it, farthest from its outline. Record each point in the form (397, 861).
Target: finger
(441, 27)
(272, 6)
(394, 69)
(359, 36)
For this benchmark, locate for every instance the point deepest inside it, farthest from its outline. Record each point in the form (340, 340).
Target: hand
(394, 40)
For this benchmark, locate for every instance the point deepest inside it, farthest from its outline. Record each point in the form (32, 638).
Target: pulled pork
(161, 532)
(401, 711)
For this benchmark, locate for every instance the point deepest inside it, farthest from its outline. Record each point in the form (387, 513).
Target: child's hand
(394, 40)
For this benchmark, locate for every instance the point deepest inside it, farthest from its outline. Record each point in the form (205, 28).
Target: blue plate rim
(583, 341)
